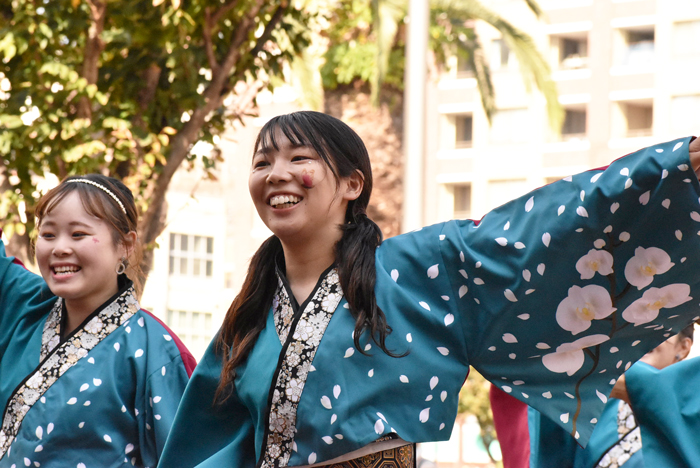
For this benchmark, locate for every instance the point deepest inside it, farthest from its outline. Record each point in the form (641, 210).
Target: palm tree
(366, 44)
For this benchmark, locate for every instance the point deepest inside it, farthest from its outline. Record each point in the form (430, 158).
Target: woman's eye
(79, 234)
(46, 235)
(301, 158)
(259, 164)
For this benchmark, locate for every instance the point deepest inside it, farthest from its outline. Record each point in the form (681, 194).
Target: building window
(462, 201)
(685, 118)
(191, 255)
(574, 124)
(637, 46)
(633, 119)
(572, 51)
(501, 58)
(194, 328)
(463, 130)
(686, 38)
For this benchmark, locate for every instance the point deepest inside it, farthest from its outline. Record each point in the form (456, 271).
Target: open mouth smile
(284, 201)
(65, 270)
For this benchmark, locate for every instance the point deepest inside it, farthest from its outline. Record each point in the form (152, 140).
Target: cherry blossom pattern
(646, 308)
(646, 263)
(301, 346)
(582, 306)
(569, 357)
(595, 261)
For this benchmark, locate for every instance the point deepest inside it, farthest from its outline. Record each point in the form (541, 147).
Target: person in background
(87, 378)
(530, 440)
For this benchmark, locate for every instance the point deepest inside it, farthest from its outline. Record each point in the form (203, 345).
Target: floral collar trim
(301, 334)
(57, 356)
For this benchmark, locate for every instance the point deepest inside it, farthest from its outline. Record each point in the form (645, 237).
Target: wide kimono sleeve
(224, 432)
(557, 293)
(25, 300)
(666, 404)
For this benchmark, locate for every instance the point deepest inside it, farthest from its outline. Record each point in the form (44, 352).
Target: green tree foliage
(127, 89)
(367, 44)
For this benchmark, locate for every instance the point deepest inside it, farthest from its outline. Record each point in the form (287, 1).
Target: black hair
(687, 332)
(344, 153)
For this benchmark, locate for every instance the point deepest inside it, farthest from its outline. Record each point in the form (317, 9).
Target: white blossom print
(569, 357)
(595, 261)
(583, 305)
(646, 263)
(646, 308)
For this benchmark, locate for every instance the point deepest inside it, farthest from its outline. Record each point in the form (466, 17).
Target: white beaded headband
(103, 188)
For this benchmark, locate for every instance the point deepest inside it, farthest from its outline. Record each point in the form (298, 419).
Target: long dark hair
(344, 153)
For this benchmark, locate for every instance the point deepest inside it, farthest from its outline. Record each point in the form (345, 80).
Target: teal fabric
(667, 407)
(486, 294)
(113, 408)
(551, 447)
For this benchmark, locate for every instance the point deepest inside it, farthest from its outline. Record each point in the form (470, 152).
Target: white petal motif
(336, 391)
(349, 352)
(463, 290)
(326, 402)
(529, 204)
(583, 305)
(602, 397)
(561, 210)
(444, 351)
(449, 319)
(424, 305)
(424, 415)
(510, 296)
(433, 382)
(327, 439)
(644, 198)
(527, 275)
(394, 275)
(546, 238)
(581, 211)
(433, 271)
(502, 241)
(509, 338)
(614, 207)
(379, 427)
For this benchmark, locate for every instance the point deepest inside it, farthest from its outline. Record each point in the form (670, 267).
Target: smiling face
(295, 192)
(77, 255)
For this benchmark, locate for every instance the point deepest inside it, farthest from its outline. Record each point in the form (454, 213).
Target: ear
(354, 184)
(684, 346)
(130, 240)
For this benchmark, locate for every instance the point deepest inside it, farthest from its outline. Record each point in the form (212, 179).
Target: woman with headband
(87, 378)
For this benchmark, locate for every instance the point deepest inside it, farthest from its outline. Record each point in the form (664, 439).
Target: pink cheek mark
(307, 179)
(95, 240)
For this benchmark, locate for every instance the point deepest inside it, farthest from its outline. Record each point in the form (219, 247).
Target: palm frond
(482, 73)
(386, 17)
(534, 66)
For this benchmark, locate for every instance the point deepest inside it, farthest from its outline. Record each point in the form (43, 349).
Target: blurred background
(462, 104)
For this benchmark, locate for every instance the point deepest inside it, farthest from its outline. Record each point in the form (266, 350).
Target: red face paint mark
(307, 178)
(95, 240)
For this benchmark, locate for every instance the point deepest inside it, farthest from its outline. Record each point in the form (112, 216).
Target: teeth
(66, 269)
(283, 199)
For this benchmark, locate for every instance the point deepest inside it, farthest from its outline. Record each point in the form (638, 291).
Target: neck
(305, 261)
(77, 310)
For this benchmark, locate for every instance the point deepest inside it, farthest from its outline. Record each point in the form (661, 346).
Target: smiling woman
(85, 372)
(344, 351)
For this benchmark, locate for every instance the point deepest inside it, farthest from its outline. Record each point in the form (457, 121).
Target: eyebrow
(271, 149)
(72, 223)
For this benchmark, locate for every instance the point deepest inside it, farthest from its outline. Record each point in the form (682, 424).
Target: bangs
(299, 131)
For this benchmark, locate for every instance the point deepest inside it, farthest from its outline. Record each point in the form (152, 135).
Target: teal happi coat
(666, 403)
(551, 297)
(103, 397)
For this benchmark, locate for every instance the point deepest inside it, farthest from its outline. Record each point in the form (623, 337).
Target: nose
(280, 171)
(61, 247)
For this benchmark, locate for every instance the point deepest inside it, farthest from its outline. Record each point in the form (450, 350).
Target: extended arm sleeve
(560, 291)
